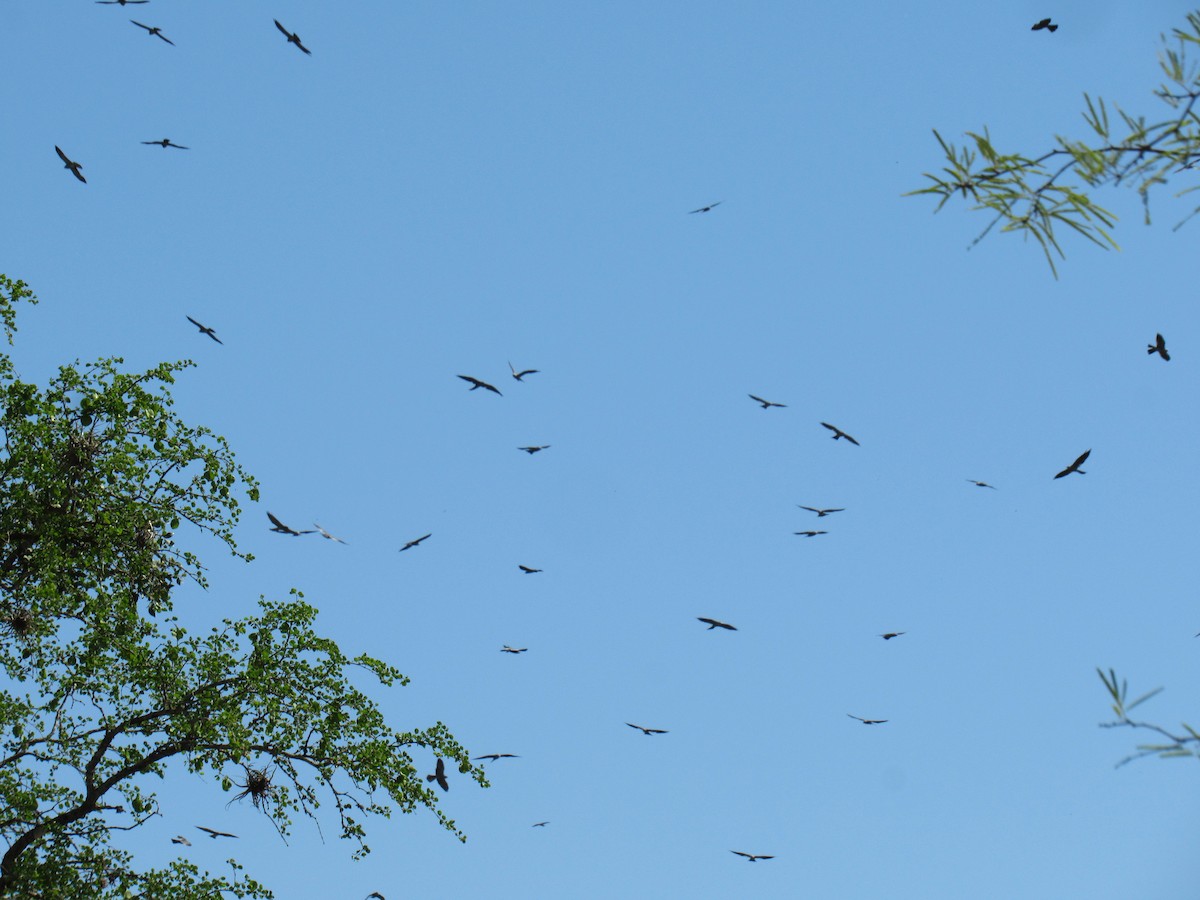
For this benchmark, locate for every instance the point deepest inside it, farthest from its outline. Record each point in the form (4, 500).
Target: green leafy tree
(1036, 195)
(102, 688)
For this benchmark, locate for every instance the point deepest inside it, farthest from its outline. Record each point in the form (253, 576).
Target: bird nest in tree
(257, 787)
(17, 621)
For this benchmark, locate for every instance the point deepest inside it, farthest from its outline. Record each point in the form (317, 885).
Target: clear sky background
(443, 188)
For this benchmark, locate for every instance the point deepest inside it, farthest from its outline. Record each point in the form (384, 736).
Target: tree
(102, 693)
(1034, 195)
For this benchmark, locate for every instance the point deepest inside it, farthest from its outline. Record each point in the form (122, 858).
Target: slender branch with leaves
(1185, 744)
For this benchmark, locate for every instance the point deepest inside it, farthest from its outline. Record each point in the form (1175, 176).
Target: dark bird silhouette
(981, 483)
(156, 31)
(214, 834)
(495, 756)
(414, 543)
(766, 404)
(1074, 467)
(167, 142)
(822, 512)
(375, 895)
(476, 383)
(205, 330)
(527, 570)
(519, 375)
(838, 433)
(752, 856)
(887, 636)
(809, 533)
(508, 649)
(329, 537)
(713, 623)
(180, 839)
(439, 775)
(280, 528)
(645, 730)
(539, 824)
(533, 450)
(1159, 346)
(1044, 23)
(868, 721)
(70, 164)
(704, 209)
(120, 2)
(292, 38)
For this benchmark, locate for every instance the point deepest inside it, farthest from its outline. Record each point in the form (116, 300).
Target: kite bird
(822, 512)
(704, 209)
(752, 856)
(1074, 467)
(120, 2)
(713, 623)
(180, 839)
(414, 543)
(527, 570)
(155, 31)
(838, 433)
(375, 895)
(809, 533)
(439, 775)
(73, 166)
(646, 731)
(476, 383)
(292, 38)
(1044, 23)
(1159, 346)
(214, 834)
(329, 537)
(165, 143)
(495, 756)
(887, 636)
(766, 404)
(533, 450)
(539, 824)
(280, 528)
(508, 649)
(868, 721)
(519, 375)
(981, 484)
(205, 330)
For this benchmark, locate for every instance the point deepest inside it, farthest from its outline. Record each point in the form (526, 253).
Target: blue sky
(443, 188)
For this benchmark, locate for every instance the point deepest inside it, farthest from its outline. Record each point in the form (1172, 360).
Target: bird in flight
(73, 166)
(167, 142)
(533, 450)
(766, 404)
(214, 834)
(1159, 346)
(508, 649)
(822, 512)
(476, 383)
(439, 775)
(752, 856)
(375, 895)
(519, 375)
(645, 730)
(120, 2)
(713, 623)
(292, 38)
(496, 756)
(1044, 23)
(704, 209)
(329, 537)
(205, 330)
(539, 824)
(887, 636)
(527, 570)
(809, 533)
(414, 543)
(180, 839)
(1074, 467)
(284, 529)
(868, 721)
(838, 433)
(981, 484)
(156, 31)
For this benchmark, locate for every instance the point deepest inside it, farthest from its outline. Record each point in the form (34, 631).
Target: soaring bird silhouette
(1044, 23)
(280, 528)
(165, 143)
(704, 209)
(533, 450)
(519, 375)
(981, 483)
(495, 756)
(156, 31)
(713, 623)
(1159, 346)
(1074, 467)
(439, 775)
(809, 533)
(214, 834)
(752, 856)
(646, 731)
(822, 512)
(887, 636)
(375, 895)
(204, 329)
(868, 721)
(180, 839)
(838, 433)
(292, 38)
(414, 543)
(508, 649)
(120, 2)
(476, 383)
(527, 570)
(325, 534)
(539, 824)
(70, 164)
(766, 404)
